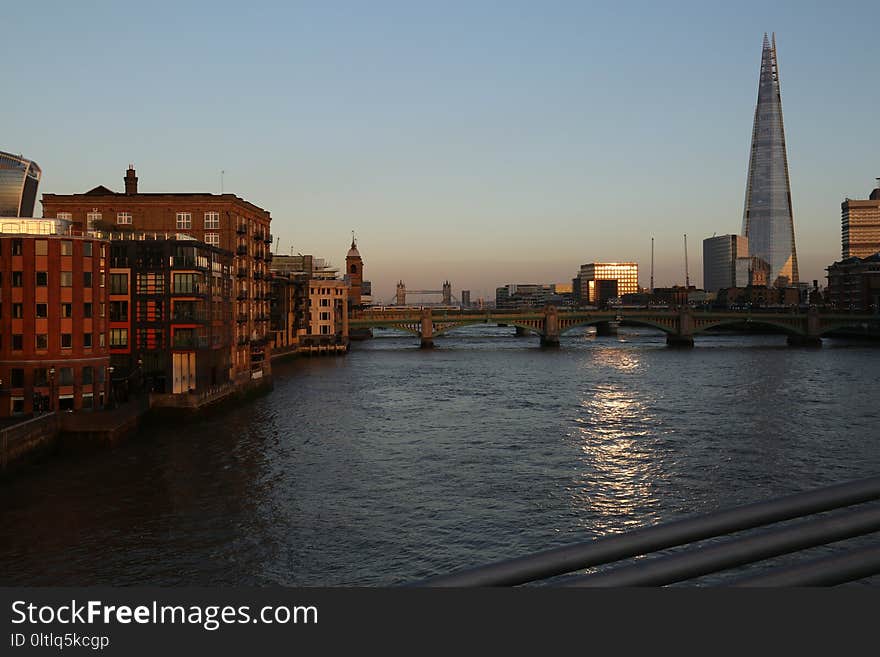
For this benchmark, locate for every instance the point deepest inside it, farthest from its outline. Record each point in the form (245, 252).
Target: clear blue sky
(484, 142)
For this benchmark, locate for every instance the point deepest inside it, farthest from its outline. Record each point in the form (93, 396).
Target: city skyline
(518, 143)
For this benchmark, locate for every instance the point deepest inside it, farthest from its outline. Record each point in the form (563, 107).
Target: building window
(212, 238)
(66, 340)
(17, 310)
(325, 302)
(119, 311)
(16, 247)
(186, 283)
(16, 377)
(87, 309)
(41, 247)
(87, 279)
(184, 221)
(42, 310)
(40, 377)
(88, 375)
(87, 340)
(325, 330)
(67, 310)
(102, 311)
(67, 216)
(118, 337)
(151, 284)
(65, 376)
(17, 279)
(212, 221)
(118, 283)
(66, 278)
(101, 340)
(42, 278)
(66, 247)
(87, 249)
(17, 342)
(123, 217)
(42, 341)
(92, 218)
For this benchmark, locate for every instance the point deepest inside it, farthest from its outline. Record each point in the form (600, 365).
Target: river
(393, 463)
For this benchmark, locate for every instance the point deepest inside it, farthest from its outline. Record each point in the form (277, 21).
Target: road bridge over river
(679, 324)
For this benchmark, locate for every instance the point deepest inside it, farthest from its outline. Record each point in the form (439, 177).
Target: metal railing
(687, 564)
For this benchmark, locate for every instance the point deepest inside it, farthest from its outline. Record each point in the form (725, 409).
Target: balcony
(268, 239)
(242, 272)
(189, 342)
(241, 229)
(242, 341)
(258, 255)
(189, 316)
(259, 235)
(258, 275)
(242, 295)
(242, 318)
(268, 256)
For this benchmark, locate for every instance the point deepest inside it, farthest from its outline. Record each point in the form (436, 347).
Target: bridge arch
(490, 322)
(855, 323)
(788, 329)
(638, 322)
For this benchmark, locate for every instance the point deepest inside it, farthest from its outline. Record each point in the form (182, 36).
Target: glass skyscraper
(19, 179)
(767, 219)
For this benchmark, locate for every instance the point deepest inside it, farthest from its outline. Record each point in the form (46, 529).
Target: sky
(485, 143)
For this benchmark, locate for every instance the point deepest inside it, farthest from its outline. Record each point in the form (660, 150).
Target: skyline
(504, 141)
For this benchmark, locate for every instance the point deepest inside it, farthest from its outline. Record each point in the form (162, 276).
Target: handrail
(569, 558)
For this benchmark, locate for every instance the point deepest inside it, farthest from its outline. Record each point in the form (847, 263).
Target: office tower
(767, 218)
(19, 179)
(720, 261)
(860, 225)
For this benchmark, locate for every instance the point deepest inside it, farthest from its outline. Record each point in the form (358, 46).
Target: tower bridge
(400, 296)
(679, 324)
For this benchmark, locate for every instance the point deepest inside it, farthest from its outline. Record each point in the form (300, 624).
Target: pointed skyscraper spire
(768, 220)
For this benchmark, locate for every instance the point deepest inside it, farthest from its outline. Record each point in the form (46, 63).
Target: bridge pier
(427, 333)
(521, 331)
(550, 336)
(804, 341)
(679, 341)
(606, 329)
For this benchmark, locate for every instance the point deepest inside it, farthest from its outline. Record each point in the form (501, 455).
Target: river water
(392, 463)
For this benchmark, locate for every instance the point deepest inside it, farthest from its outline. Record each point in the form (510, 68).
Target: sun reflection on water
(621, 463)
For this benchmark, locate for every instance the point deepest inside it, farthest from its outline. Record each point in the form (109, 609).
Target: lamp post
(110, 390)
(51, 388)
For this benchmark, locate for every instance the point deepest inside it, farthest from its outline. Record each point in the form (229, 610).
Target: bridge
(679, 324)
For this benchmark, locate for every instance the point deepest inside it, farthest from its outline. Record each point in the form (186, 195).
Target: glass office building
(767, 219)
(720, 256)
(19, 179)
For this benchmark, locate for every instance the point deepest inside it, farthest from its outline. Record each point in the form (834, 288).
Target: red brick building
(222, 220)
(53, 318)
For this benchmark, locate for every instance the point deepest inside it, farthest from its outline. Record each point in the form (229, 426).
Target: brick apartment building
(220, 220)
(53, 318)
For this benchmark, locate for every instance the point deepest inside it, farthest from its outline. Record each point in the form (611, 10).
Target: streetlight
(52, 388)
(110, 394)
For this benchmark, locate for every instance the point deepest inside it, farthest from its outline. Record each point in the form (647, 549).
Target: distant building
(860, 226)
(520, 295)
(328, 314)
(854, 284)
(53, 318)
(598, 282)
(19, 179)
(751, 270)
(720, 260)
(465, 298)
(758, 296)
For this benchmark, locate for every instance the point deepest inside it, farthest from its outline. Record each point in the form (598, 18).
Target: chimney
(131, 181)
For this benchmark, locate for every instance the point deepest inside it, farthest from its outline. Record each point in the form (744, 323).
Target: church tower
(354, 274)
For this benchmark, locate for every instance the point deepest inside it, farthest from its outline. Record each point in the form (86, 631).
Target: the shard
(767, 218)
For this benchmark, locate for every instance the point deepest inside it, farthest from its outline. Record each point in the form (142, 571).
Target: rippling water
(392, 463)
